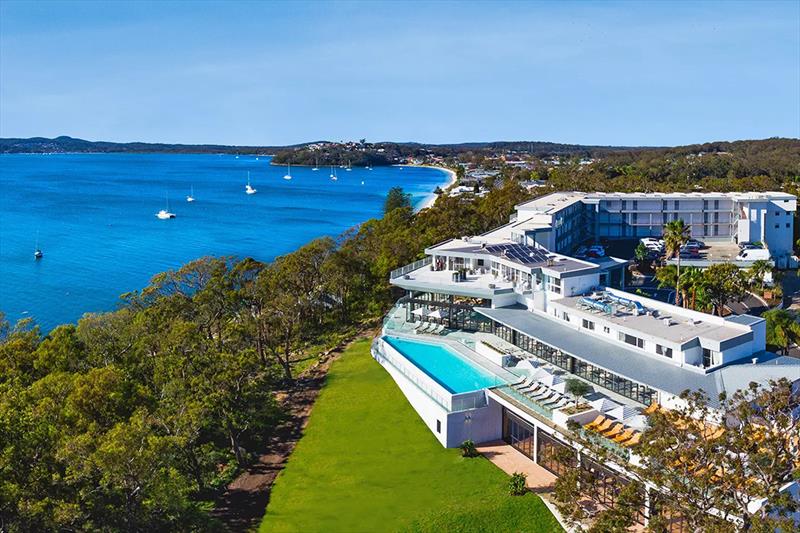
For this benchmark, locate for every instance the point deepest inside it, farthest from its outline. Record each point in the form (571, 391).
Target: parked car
(695, 242)
(753, 254)
(581, 252)
(596, 251)
(747, 245)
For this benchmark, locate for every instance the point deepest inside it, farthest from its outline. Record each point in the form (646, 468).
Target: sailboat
(348, 169)
(334, 177)
(316, 165)
(190, 198)
(248, 189)
(37, 252)
(288, 175)
(164, 214)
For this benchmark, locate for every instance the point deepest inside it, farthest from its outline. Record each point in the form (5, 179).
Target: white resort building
(491, 327)
(560, 221)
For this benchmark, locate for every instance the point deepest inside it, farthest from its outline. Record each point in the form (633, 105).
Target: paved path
(510, 460)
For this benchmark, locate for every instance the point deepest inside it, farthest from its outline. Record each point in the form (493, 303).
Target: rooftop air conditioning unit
(666, 321)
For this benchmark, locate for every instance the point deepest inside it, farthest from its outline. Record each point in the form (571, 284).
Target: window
(677, 204)
(630, 339)
(710, 357)
(565, 316)
(787, 224)
(606, 329)
(438, 426)
(777, 226)
(777, 213)
(663, 350)
(588, 324)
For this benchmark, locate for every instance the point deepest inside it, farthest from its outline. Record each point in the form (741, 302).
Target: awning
(421, 311)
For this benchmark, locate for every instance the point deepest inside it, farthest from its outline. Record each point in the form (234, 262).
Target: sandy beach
(451, 179)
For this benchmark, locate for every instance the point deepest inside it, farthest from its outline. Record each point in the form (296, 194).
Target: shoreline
(431, 198)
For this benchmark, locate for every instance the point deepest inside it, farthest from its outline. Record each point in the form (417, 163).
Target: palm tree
(782, 329)
(757, 271)
(667, 277)
(676, 234)
(692, 282)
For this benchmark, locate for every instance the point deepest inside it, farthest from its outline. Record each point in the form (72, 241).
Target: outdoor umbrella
(421, 311)
(439, 313)
(604, 404)
(636, 422)
(623, 411)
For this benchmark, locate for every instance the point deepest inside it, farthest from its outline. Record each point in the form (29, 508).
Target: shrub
(516, 484)
(468, 449)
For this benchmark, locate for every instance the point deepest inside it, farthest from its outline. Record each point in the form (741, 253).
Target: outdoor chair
(604, 426)
(625, 435)
(633, 441)
(615, 430)
(596, 422)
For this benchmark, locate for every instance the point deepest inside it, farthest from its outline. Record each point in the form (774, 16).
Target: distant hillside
(41, 145)
(360, 153)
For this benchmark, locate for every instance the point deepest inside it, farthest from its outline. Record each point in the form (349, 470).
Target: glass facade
(518, 433)
(622, 386)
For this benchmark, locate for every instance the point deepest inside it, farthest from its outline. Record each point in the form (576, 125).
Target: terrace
(477, 284)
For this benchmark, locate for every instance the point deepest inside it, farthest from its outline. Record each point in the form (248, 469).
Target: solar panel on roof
(521, 253)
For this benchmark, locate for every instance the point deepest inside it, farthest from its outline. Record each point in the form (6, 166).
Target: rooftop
(640, 367)
(552, 202)
(667, 324)
(527, 256)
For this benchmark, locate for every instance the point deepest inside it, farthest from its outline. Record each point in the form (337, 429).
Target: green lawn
(367, 463)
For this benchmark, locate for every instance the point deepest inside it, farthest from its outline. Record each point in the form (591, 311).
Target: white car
(753, 254)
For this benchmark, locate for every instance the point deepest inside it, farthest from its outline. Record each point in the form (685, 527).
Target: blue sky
(277, 73)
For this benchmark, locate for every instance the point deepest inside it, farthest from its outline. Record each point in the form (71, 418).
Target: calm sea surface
(94, 215)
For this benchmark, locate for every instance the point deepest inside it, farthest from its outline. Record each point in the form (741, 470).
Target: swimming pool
(452, 371)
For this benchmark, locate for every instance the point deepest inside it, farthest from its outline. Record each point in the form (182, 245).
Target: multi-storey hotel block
(492, 328)
(559, 221)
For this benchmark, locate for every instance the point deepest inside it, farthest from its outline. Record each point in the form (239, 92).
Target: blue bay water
(95, 219)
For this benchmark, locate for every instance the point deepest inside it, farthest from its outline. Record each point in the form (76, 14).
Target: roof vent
(666, 321)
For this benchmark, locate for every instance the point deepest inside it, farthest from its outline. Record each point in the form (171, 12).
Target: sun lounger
(633, 441)
(554, 400)
(625, 435)
(596, 422)
(604, 426)
(652, 408)
(615, 430)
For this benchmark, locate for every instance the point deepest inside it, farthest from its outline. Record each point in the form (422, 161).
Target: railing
(523, 401)
(469, 400)
(413, 377)
(396, 273)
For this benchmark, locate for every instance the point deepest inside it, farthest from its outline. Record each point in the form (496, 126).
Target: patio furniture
(604, 426)
(615, 430)
(633, 441)
(625, 435)
(596, 422)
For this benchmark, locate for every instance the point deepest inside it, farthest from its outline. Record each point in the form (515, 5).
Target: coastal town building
(490, 328)
(562, 220)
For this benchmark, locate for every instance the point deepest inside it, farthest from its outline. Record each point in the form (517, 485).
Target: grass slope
(368, 464)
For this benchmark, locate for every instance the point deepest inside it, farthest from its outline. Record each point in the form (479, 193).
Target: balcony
(481, 285)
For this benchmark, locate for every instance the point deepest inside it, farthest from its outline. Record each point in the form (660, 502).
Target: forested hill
(383, 151)
(42, 145)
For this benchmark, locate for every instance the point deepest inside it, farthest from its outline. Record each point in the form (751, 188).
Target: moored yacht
(316, 165)
(333, 174)
(248, 189)
(37, 252)
(288, 175)
(165, 214)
